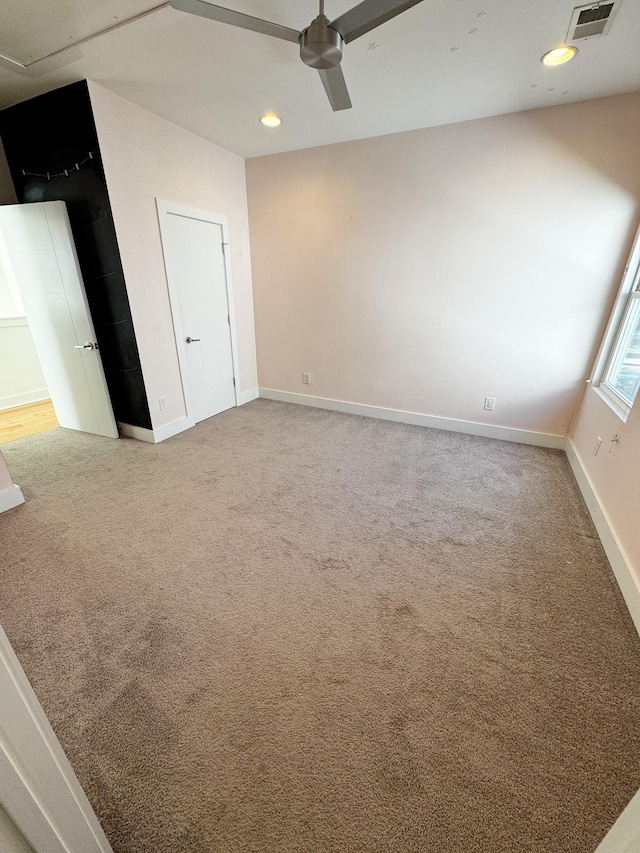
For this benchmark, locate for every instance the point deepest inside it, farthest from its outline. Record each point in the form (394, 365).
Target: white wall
(614, 474)
(426, 270)
(145, 157)
(21, 378)
(10, 494)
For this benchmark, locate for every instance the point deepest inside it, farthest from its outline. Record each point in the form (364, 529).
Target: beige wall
(426, 270)
(145, 157)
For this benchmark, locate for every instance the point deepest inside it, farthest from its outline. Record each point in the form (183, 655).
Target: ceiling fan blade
(335, 87)
(368, 15)
(237, 19)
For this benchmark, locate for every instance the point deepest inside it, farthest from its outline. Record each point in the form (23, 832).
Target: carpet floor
(296, 630)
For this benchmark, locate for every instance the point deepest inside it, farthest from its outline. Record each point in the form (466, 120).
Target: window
(622, 373)
(620, 376)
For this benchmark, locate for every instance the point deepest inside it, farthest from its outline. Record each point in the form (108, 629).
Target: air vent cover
(592, 20)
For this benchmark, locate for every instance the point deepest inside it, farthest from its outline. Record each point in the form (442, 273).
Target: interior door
(40, 251)
(40, 792)
(196, 272)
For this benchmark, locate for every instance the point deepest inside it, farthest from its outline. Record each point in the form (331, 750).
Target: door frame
(165, 210)
(38, 788)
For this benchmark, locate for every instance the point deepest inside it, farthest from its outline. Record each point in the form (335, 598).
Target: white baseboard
(25, 398)
(155, 436)
(11, 498)
(171, 429)
(522, 436)
(131, 431)
(625, 576)
(243, 397)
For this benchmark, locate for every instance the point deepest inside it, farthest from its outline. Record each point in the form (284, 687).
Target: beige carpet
(295, 630)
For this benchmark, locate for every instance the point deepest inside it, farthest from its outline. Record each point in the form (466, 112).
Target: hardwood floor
(26, 420)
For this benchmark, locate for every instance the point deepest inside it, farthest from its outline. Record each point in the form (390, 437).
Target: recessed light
(270, 120)
(559, 55)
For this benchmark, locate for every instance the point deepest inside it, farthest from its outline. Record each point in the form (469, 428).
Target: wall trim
(8, 322)
(522, 436)
(247, 396)
(11, 498)
(172, 428)
(155, 436)
(23, 399)
(140, 433)
(625, 576)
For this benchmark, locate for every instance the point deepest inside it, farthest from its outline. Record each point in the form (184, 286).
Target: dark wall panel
(53, 154)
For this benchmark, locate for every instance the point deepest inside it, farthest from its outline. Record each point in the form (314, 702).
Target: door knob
(88, 345)
(190, 340)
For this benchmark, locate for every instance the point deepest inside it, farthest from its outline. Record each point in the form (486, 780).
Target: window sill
(616, 406)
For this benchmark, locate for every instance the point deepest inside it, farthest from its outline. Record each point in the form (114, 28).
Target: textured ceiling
(439, 62)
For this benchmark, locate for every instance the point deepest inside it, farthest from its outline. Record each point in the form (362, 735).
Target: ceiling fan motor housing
(320, 44)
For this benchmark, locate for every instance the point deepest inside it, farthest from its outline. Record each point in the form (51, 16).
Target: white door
(193, 247)
(624, 835)
(39, 248)
(38, 788)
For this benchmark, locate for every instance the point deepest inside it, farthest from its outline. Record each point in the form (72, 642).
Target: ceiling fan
(321, 42)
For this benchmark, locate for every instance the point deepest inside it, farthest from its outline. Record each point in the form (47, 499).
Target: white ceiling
(441, 61)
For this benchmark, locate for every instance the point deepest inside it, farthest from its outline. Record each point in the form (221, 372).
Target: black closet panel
(53, 154)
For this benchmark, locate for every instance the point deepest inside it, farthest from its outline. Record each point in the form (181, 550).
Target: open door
(38, 788)
(40, 251)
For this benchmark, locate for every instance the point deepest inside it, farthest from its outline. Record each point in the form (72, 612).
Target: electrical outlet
(490, 403)
(306, 378)
(596, 446)
(162, 402)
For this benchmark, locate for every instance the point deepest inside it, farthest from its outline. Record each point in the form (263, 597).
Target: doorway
(39, 251)
(194, 246)
(28, 419)
(25, 401)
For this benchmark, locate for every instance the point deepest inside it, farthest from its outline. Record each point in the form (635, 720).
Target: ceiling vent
(592, 20)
